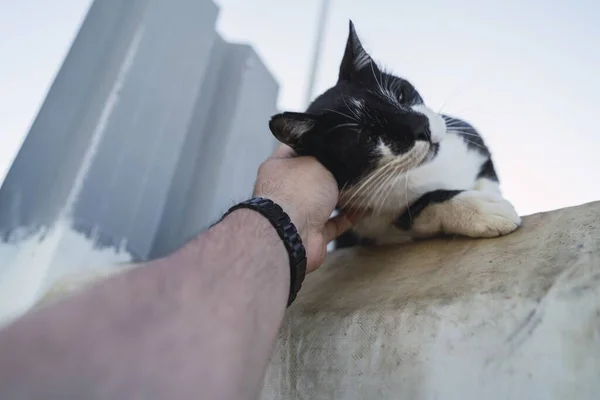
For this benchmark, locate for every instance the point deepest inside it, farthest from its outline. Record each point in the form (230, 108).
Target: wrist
(249, 225)
(247, 245)
(287, 233)
(295, 213)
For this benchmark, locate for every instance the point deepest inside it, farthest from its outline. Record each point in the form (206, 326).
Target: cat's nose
(419, 126)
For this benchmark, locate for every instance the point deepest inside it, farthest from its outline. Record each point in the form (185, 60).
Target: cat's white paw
(471, 213)
(484, 215)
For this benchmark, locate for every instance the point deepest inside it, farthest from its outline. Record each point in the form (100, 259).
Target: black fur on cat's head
(370, 118)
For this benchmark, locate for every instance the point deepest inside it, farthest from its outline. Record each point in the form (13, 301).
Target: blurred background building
(152, 126)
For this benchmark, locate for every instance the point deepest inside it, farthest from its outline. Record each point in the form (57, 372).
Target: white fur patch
(374, 189)
(447, 173)
(487, 186)
(437, 125)
(443, 172)
(472, 213)
(385, 152)
(358, 103)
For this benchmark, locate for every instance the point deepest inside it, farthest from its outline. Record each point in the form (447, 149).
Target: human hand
(308, 193)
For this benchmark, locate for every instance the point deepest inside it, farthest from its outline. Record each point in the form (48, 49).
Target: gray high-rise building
(153, 127)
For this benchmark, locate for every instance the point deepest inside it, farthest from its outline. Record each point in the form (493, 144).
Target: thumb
(336, 226)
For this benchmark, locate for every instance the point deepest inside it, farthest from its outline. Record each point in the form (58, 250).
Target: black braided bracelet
(288, 234)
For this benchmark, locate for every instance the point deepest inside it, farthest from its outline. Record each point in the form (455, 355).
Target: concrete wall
(153, 127)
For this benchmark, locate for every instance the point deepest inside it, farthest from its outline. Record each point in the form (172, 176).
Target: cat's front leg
(472, 213)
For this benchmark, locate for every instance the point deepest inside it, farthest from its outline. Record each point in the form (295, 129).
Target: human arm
(200, 323)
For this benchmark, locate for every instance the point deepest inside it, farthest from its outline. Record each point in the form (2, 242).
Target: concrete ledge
(513, 318)
(516, 317)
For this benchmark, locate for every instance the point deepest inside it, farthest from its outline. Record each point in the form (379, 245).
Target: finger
(283, 151)
(336, 226)
(354, 214)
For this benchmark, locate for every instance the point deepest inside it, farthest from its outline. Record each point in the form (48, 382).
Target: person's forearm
(198, 324)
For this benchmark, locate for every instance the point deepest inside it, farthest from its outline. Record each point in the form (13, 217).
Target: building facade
(152, 128)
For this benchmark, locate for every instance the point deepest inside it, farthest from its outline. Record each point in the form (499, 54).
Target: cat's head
(370, 122)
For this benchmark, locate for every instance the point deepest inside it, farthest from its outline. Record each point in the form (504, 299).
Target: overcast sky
(524, 72)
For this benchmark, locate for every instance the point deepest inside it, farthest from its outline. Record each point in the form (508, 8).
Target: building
(153, 126)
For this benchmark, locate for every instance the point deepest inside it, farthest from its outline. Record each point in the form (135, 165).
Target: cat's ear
(355, 58)
(291, 128)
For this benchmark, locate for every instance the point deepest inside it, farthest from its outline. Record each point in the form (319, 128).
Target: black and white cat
(413, 172)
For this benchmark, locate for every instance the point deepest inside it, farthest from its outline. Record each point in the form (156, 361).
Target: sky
(523, 72)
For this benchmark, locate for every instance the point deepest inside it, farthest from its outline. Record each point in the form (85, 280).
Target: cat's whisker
(380, 84)
(473, 143)
(456, 91)
(341, 193)
(342, 114)
(462, 131)
(343, 188)
(365, 201)
(454, 128)
(382, 184)
(405, 174)
(352, 110)
(373, 198)
(369, 192)
(359, 194)
(373, 72)
(456, 125)
(398, 173)
(401, 168)
(377, 181)
(466, 134)
(372, 176)
(406, 195)
(341, 126)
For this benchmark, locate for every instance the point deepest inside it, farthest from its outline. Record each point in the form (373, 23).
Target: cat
(411, 173)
